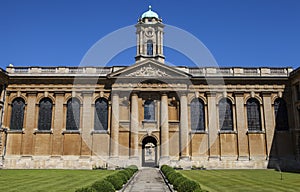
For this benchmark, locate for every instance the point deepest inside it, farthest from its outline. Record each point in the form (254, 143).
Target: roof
(150, 14)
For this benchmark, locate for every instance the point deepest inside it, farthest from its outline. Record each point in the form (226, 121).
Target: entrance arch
(149, 152)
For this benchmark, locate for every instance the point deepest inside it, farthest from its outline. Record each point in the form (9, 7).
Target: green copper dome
(150, 14)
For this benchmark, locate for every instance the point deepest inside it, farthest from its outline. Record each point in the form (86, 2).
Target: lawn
(245, 180)
(48, 180)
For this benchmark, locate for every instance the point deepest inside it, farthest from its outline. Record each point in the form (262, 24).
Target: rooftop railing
(196, 72)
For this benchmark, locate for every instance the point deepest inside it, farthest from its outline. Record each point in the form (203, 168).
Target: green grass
(245, 180)
(48, 180)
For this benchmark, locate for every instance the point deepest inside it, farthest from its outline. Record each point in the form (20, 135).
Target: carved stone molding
(148, 71)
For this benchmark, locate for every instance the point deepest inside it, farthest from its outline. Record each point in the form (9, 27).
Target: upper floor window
(45, 114)
(197, 115)
(225, 114)
(298, 91)
(17, 114)
(253, 115)
(149, 110)
(281, 115)
(73, 114)
(149, 48)
(101, 114)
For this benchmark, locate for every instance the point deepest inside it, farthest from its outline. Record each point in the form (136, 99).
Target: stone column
(212, 126)
(268, 119)
(164, 127)
(141, 45)
(134, 125)
(243, 148)
(184, 127)
(30, 124)
(86, 143)
(57, 144)
(114, 140)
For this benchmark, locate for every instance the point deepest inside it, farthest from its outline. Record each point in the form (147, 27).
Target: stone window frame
(150, 48)
(251, 117)
(104, 129)
(76, 120)
(203, 116)
(152, 116)
(232, 128)
(42, 112)
(13, 113)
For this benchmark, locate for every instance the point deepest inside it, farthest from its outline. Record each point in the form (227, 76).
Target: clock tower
(150, 30)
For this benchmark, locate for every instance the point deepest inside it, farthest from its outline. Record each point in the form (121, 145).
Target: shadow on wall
(283, 152)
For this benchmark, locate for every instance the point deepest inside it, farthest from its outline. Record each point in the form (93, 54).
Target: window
(17, 114)
(298, 91)
(281, 115)
(149, 48)
(73, 114)
(253, 115)
(197, 115)
(149, 110)
(45, 114)
(225, 115)
(101, 115)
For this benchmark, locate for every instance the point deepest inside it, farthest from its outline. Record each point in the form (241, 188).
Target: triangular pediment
(149, 69)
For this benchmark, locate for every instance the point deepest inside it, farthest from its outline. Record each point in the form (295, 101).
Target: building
(150, 113)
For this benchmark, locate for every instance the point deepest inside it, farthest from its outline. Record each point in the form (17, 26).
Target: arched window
(149, 48)
(225, 114)
(149, 110)
(197, 115)
(45, 114)
(281, 115)
(253, 115)
(17, 114)
(101, 114)
(73, 114)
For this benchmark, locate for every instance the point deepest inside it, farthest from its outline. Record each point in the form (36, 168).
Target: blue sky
(247, 33)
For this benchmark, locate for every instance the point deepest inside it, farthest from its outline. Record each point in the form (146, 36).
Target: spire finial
(150, 7)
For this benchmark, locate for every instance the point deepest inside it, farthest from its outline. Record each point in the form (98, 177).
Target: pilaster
(86, 129)
(115, 126)
(134, 123)
(268, 120)
(27, 146)
(214, 151)
(184, 129)
(164, 119)
(58, 124)
(243, 148)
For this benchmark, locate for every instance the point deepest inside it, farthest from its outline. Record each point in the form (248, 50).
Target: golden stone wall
(211, 148)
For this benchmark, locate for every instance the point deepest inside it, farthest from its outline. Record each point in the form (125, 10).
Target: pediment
(149, 69)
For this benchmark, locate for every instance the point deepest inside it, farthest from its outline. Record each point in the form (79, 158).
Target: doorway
(149, 152)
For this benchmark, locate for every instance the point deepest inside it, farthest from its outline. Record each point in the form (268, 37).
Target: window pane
(281, 115)
(149, 110)
(298, 91)
(197, 115)
(17, 114)
(253, 115)
(225, 114)
(45, 114)
(101, 114)
(149, 48)
(73, 114)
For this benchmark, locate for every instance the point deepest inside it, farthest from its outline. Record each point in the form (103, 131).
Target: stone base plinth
(89, 162)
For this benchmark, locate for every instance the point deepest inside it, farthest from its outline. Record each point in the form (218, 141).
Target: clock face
(149, 32)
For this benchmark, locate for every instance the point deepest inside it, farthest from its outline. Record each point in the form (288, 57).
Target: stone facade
(149, 114)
